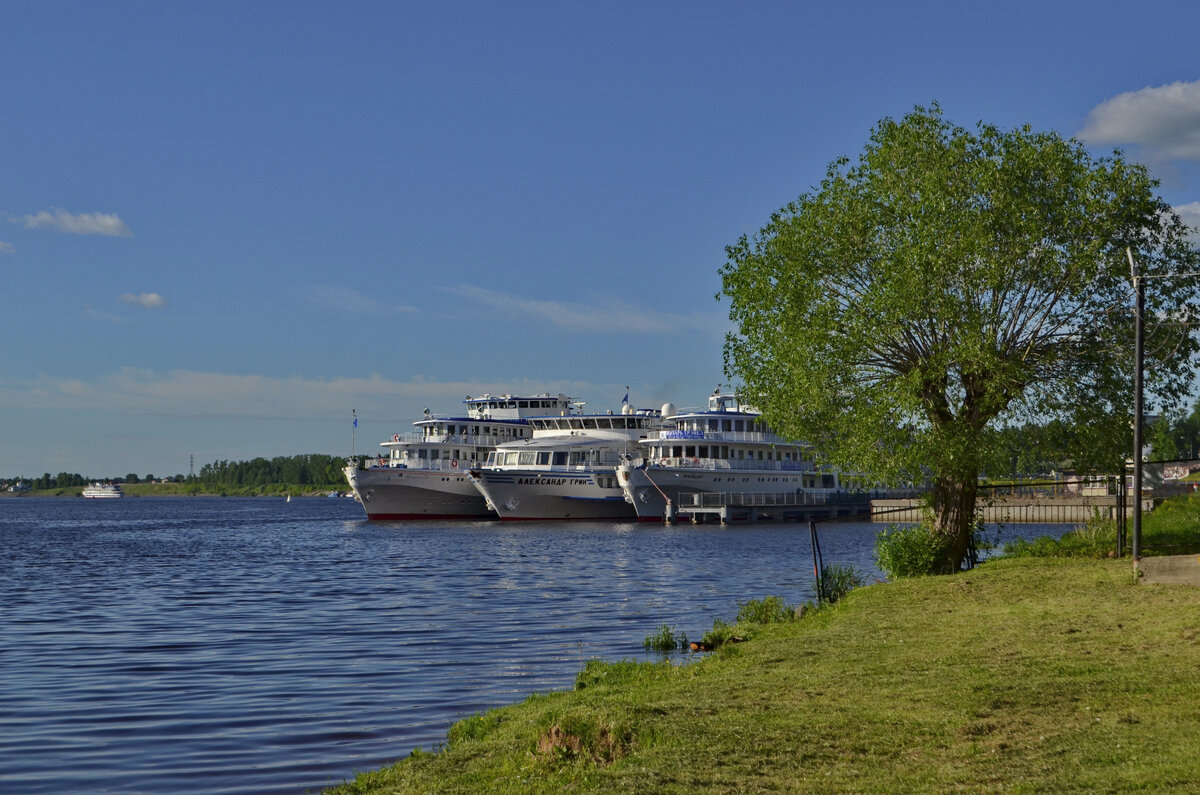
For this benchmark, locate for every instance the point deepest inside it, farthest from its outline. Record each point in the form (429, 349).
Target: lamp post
(1138, 355)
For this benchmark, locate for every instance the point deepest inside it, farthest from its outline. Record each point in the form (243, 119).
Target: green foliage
(1095, 539)
(721, 633)
(950, 282)
(768, 610)
(666, 639)
(313, 470)
(837, 580)
(910, 551)
(1172, 528)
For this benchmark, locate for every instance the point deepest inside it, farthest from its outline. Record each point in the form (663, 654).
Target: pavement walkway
(1171, 570)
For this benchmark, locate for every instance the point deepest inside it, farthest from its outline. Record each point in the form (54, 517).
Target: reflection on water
(253, 645)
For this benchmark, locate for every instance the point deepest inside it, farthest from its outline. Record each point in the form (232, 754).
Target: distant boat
(102, 491)
(289, 498)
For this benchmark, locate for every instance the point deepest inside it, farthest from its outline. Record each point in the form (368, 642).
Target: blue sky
(223, 226)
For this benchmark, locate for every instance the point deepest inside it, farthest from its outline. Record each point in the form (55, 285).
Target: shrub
(769, 610)
(910, 551)
(1096, 539)
(666, 639)
(837, 581)
(720, 633)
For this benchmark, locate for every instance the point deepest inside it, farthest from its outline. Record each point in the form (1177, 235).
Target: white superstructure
(566, 470)
(423, 475)
(102, 491)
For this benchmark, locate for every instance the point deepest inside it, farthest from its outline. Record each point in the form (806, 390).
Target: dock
(728, 507)
(1019, 510)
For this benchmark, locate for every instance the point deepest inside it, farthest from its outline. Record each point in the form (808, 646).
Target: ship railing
(481, 439)
(422, 464)
(733, 463)
(745, 437)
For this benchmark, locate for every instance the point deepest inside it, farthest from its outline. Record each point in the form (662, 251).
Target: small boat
(102, 491)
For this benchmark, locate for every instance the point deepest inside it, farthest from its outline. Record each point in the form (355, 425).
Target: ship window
(422, 453)
(604, 423)
(713, 425)
(560, 459)
(690, 450)
(526, 459)
(677, 451)
(590, 423)
(727, 425)
(523, 404)
(543, 459)
(578, 458)
(702, 451)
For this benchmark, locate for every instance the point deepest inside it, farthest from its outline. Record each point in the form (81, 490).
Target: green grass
(1027, 674)
(1170, 529)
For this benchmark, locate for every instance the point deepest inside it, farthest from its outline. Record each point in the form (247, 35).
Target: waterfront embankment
(1038, 674)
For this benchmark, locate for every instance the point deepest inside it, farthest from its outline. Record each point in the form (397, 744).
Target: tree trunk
(953, 504)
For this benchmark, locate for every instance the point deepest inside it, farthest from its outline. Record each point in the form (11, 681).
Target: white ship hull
(395, 493)
(647, 488)
(519, 495)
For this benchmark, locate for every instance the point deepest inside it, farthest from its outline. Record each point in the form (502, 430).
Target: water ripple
(234, 645)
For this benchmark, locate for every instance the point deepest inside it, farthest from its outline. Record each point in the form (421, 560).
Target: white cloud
(1165, 120)
(6, 248)
(346, 299)
(1190, 214)
(145, 300)
(59, 220)
(601, 315)
(190, 394)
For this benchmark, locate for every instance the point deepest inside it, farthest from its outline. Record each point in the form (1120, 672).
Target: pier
(1019, 510)
(727, 507)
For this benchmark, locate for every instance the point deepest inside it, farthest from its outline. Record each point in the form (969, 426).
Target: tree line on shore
(315, 470)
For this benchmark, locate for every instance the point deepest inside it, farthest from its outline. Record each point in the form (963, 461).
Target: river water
(202, 645)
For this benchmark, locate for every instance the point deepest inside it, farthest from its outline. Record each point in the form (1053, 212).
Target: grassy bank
(1028, 674)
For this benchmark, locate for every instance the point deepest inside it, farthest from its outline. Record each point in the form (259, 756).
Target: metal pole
(1139, 357)
(816, 553)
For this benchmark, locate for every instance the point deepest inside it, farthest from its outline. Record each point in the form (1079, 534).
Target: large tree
(949, 282)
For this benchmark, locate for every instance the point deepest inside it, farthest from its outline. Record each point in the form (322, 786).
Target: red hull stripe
(386, 517)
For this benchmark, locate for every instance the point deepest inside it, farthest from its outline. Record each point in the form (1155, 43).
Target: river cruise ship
(423, 475)
(102, 491)
(566, 470)
(724, 449)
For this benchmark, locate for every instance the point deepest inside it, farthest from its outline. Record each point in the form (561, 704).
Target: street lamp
(1139, 359)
